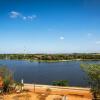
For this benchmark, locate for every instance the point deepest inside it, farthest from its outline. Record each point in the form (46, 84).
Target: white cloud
(14, 14)
(97, 42)
(61, 38)
(24, 17)
(31, 17)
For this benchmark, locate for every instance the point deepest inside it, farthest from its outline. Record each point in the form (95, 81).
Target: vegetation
(7, 78)
(93, 73)
(60, 83)
(7, 83)
(51, 57)
(19, 86)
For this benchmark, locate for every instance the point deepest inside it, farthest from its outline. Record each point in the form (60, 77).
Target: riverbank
(70, 92)
(51, 61)
(59, 90)
(47, 92)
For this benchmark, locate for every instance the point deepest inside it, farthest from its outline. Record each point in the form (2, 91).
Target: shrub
(60, 83)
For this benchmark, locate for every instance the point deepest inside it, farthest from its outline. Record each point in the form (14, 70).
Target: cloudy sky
(49, 26)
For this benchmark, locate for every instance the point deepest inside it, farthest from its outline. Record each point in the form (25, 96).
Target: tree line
(77, 56)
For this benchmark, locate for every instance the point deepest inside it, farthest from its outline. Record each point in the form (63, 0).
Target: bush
(60, 83)
(7, 79)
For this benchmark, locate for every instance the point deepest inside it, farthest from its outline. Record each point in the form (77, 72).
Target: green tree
(93, 73)
(60, 83)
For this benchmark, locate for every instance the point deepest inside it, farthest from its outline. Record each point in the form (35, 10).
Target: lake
(46, 73)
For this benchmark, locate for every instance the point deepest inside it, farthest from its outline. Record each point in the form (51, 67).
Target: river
(46, 73)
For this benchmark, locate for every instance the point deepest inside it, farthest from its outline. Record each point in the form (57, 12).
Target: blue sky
(49, 26)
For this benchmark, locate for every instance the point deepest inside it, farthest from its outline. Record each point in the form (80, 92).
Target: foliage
(6, 75)
(93, 73)
(47, 57)
(60, 83)
(19, 85)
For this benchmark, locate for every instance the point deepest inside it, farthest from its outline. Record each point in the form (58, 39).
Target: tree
(93, 73)
(60, 83)
(7, 79)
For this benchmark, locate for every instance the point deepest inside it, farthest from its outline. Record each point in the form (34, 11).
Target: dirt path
(72, 93)
(46, 92)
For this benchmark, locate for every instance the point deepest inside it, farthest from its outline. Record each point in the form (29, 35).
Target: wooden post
(34, 87)
(22, 82)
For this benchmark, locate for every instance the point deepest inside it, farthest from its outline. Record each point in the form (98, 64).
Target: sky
(49, 26)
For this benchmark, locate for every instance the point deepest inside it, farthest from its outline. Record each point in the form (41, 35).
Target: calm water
(45, 73)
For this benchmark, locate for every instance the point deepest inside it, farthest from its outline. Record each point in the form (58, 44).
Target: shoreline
(51, 61)
(60, 87)
(60, 90)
